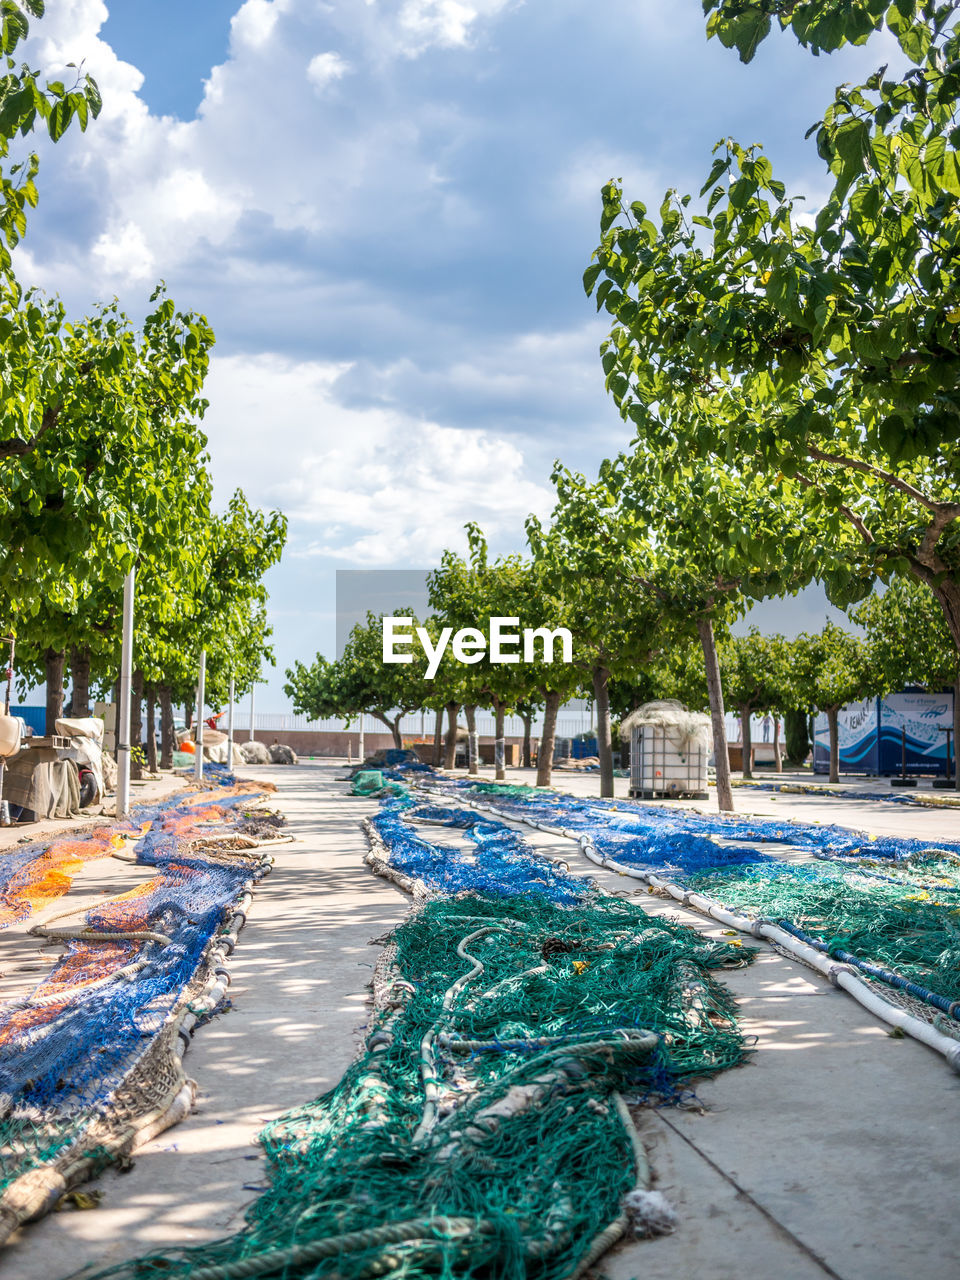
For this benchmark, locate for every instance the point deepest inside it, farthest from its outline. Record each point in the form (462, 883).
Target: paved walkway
(832, 1154)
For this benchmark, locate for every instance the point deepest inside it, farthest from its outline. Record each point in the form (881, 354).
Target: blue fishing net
(501, 863)
(684, 840)
(66, 1048)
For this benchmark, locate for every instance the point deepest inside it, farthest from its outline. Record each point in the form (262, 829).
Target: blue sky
(385, 207)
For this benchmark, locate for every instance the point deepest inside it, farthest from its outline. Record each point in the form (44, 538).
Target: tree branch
(17, 448)
(857, 523)
(934, 533)
(867, 469)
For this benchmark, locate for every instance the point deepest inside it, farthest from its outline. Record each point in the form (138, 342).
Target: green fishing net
(478, 1132)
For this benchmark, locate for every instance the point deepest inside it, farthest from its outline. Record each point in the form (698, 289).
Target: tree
(360, 682)
(527, 709)
(796, 722)
(756, 679)
(205, 591)
(701, 541)
(102, 464)
(23, 105)
(826, 356)
(615, 628)
(464, 593)
(822, 25)
(909, 643)
(831, 669)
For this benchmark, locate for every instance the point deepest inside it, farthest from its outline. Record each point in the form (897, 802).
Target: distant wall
(327, 742)
(324, 743)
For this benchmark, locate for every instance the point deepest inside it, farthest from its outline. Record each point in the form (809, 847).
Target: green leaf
(590, 277)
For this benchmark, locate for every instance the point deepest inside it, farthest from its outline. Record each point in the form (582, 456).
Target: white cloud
(326, 68)
(447, 23)
(180, 186)
(123, 253)
(370, 486)
(592, 164)
(410, 236)
(254, 22)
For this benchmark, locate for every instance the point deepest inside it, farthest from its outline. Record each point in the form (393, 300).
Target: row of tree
(794, 388)
(905, 642)
(104, 468)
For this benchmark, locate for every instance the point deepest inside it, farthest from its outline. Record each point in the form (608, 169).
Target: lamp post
(4, 806)
(230, 725)
(126, 673)
(198, 758)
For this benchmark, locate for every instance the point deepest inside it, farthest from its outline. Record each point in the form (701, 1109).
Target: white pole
(123, 718)
(230, 726)
(198, 737)
(361, 751)
(253, 690)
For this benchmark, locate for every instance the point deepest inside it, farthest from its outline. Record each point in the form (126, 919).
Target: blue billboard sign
(871, 734)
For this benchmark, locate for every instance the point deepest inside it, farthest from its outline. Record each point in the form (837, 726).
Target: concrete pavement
(833, 1153)
(299, 994)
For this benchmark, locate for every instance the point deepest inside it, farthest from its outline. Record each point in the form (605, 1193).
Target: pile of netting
(498, 861)
(925, 799)
(38, 873)
(483, 1129)
(371, 783)
(890, 902)
(683, 840)
(102, 1026)
(913, 933)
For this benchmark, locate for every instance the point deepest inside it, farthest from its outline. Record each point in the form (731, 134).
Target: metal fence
(412, 726)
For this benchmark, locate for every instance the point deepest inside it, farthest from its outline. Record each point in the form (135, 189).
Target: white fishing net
(686, 729)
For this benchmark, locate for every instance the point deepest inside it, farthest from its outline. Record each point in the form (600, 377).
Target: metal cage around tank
(660, 768)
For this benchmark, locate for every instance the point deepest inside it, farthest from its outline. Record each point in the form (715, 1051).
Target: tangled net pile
(92, 1055)
(482, 1130)
(891, 902)
(502, 864)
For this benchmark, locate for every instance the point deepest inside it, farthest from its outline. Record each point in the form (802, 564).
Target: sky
(384, 208)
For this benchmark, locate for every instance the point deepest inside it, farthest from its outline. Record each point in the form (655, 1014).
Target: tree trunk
(166, 727)
(450, 742)
(499, 745)
(746, 737)
(547, 738)
(136, 725)
(527, 730)
(188, 710)
(948, 594)
(80, 679)
(438, 739)
(777, 756)
(473, 741)
(54, 662)
(151, 730)
(601, 694)
(720, 753)
(834, 744)
(392, 725)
